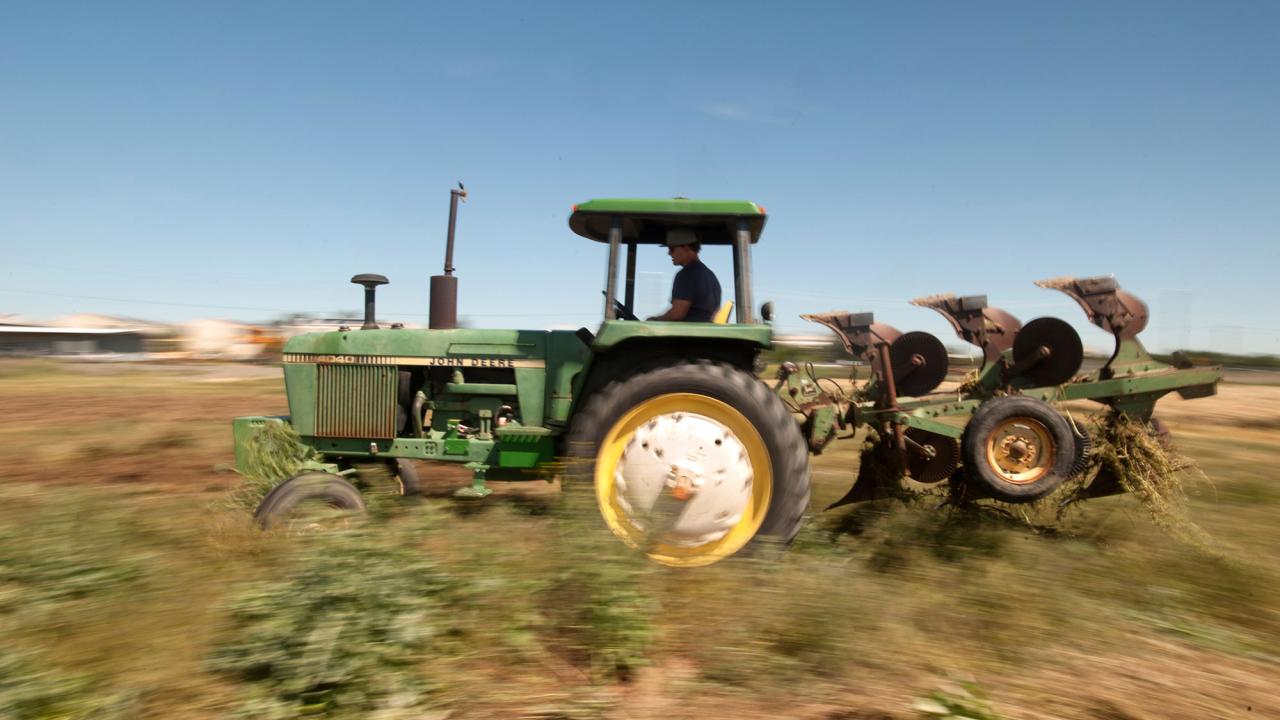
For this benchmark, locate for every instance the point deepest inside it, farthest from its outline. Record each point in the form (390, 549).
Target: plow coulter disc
(935, 458)
(919, 363)
(1048, 351)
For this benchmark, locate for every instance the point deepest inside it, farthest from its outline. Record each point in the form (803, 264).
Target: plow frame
(1130, 382)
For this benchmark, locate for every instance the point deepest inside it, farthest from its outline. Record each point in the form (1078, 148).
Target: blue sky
(174, 160)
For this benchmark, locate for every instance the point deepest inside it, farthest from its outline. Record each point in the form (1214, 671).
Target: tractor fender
(639, 354)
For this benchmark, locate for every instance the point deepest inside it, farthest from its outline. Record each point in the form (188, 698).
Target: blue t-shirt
(696, 283)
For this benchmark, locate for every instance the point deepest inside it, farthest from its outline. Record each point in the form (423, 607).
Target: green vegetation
(273, 454)
(154, 598)
(341, 633)
(30, 689)
(962, 700)
(1151, 470)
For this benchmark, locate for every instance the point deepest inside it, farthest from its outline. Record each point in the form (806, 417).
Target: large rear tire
(692, 462)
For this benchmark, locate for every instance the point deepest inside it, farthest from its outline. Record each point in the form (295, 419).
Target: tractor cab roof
(646, 221)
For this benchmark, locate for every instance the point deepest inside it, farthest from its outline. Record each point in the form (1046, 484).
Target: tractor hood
(400, 346)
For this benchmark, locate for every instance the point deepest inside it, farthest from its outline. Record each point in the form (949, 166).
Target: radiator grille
(356, 401)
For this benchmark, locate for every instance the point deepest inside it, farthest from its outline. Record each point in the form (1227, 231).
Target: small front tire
(310, 500)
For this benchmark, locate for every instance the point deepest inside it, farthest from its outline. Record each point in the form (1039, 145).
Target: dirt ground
(86, 439)
(164, 430)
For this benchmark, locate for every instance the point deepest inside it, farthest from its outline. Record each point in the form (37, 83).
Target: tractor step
(477, 490)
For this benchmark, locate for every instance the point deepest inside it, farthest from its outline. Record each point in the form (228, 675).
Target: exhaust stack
(444, 288)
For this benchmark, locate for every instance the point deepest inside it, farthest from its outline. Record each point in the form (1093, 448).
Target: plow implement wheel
(1018, 449)
(690, 463)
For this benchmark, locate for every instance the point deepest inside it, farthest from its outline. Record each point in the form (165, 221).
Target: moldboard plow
(1000, 434)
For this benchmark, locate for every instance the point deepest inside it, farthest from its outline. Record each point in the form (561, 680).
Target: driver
(695, 294)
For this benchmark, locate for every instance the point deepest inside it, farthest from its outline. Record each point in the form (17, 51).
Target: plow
(1001, 435)
(689, 456)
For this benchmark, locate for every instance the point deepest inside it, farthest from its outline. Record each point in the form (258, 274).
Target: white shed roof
(38, 329)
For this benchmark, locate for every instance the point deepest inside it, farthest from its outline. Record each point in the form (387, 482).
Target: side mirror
(766, 311)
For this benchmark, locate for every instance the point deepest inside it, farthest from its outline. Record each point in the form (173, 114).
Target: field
(132, 585)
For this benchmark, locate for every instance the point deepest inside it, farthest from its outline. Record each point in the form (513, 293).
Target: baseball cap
(681, 236)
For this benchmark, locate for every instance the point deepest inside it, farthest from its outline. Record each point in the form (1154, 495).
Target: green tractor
(689, 455)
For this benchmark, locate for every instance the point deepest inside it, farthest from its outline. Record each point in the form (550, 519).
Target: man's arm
(679, 308)
(682, 294)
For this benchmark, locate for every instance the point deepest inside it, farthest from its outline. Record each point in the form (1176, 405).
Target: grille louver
(356, 401)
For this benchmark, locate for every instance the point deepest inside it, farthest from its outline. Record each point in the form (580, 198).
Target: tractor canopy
(646, 221)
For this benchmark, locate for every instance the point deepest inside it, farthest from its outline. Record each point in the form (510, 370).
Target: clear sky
(172, 160)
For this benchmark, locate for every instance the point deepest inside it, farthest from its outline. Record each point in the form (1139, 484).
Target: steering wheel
(621, 310)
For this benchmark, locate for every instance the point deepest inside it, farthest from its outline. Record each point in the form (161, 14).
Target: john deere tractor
(690, 457)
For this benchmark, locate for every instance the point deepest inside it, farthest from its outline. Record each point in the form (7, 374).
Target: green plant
(272, 455)
(344, 633)
(597, 607)
(31, 690)
(960, 700)
(1152, 471)
(56, 557)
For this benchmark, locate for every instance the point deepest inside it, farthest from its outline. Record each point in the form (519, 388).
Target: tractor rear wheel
(690, 463)
(1018, 449)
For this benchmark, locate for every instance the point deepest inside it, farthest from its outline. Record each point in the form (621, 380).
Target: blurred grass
(157, 601)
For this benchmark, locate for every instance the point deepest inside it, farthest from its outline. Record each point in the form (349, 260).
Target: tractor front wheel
(690, 463)
(309, 502)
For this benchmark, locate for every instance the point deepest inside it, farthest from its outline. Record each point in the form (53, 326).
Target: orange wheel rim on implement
(1020, 450)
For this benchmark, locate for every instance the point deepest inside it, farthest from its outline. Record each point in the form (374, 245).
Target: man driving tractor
(695, 294)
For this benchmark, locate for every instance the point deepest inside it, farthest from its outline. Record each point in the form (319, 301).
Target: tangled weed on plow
(1147, 465)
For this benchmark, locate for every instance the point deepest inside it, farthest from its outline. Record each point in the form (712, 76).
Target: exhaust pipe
(444, 288)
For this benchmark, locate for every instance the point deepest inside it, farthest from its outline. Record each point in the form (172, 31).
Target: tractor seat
(722, 315)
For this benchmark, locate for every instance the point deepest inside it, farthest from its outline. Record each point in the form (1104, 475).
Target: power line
(167, 303)
(253, 308)
(143, 302)
(98, 271)
(883, 301)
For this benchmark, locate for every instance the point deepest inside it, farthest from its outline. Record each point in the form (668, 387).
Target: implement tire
(1018, 449)
(691, 462)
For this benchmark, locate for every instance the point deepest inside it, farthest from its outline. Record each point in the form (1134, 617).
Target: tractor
(647, 411)
(690, 456)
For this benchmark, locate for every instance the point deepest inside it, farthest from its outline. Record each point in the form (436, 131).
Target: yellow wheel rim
(1021, 450)
(616, 517)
